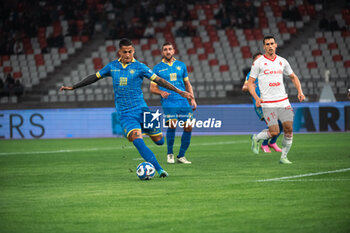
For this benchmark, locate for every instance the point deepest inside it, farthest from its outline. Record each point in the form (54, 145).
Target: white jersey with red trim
(270, 73)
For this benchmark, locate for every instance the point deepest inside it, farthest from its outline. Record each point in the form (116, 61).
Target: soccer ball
(145, 171)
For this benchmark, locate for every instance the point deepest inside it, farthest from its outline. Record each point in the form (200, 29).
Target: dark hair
(268, 37)
(167, 43)
(125, 42)
(256, 54)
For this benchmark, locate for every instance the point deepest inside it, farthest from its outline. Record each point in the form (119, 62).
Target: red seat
(84, 39)
(145, 47)
(316, 52)
(5, 58)
(17, 75)
(321, 40)
(152, 41)
(234, 43)
(98, 66)
(38, 57)
(111, 48)
(345, 33)
(347, 64)
(136, 41)
(39, 62)
(292, 30)
(189, 69)
(7, 69)
(97, 60)
(202, 56)
(209, 50)
(312, 65)
(332, 46)
(224, 68)
(213, 62)
(62, 50)
(156, 52)
(191, 51)
(337, 58)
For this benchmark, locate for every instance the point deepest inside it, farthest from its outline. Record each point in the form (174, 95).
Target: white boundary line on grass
(113, 148)
(304, 175)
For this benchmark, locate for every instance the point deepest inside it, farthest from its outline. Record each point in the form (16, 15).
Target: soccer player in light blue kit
(176, 108)
(128, 74)
(266, 145)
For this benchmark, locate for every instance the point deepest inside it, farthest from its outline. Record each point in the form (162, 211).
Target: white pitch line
(304, 175)
(113, 148)
(314, 180)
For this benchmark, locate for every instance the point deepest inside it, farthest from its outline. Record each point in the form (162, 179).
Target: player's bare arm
(245, 86)
(155, 90)
(189, 89)
(86, 81)
(297, 85)
(251, 88)
(163, 83)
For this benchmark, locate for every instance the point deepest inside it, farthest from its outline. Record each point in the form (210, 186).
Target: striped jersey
(175, 73)
(127, 81)
(270, 74)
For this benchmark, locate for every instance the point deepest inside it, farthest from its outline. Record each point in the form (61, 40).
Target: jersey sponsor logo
(273, 71)
(274, 84)
(123, 81)
(173, 77)
(163, 70)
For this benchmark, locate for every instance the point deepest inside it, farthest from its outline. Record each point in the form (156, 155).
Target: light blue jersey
(129, 102)
(127, 81)
(258, 110)
(175, 73)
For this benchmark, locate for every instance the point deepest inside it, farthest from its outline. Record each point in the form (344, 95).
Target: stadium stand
(216, 40)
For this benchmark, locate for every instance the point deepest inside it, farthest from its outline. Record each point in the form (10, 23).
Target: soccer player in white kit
(273, 99)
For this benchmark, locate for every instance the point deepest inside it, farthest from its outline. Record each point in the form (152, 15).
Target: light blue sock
(170, 139)
(185, 143)
(146, 153)
(160, 142)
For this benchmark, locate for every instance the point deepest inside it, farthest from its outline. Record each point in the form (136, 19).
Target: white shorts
(273, 114)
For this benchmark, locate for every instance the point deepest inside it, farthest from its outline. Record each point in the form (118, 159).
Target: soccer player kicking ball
(274, 99)
(176, 108)
(266, 145)
(128, 74)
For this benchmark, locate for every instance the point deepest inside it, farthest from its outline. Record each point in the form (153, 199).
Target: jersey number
(173, 77)
(123, 81)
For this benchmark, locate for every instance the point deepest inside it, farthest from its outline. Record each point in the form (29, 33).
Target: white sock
(263, 135)
(286, 145)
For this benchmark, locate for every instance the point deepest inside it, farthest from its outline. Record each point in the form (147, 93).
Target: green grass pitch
(90, 185)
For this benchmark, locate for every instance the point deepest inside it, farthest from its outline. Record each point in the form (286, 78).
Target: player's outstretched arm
(86, 81)
(297, 85)
(155, 90)
(163, 83)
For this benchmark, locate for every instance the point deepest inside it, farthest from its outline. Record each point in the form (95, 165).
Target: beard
(168, 59)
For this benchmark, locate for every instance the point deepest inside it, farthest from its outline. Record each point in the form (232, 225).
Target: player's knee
(288, 129)
(188, 128)
(160, 141)
(274, 133)
(172, 124)
(134, 135)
